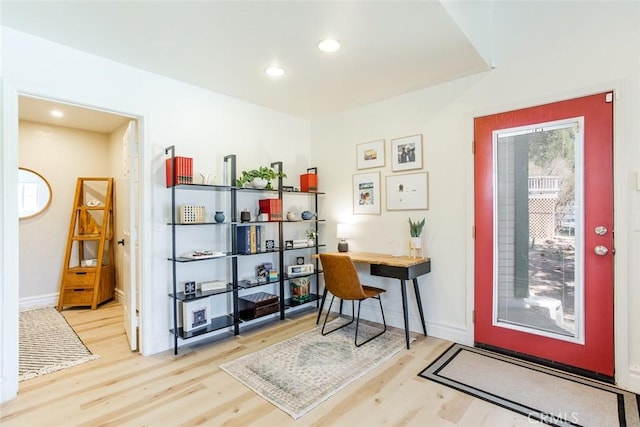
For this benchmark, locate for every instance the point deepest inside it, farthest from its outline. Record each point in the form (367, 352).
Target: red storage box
(309, 180)
(271, 207)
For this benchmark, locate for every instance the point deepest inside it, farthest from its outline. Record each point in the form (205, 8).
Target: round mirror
(34, 193)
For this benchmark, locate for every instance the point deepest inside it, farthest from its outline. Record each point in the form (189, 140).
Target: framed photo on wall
(406, 153)
(408, 191)
(370, 154)
(366, 193)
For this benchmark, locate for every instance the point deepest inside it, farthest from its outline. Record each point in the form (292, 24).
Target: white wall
(43, 238)
(199, 123)
(584, 48)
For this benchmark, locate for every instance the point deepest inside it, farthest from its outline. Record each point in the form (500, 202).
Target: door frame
(622, 375)
(9, 256)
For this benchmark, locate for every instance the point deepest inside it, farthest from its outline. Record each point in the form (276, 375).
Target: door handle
(120, 242)
(601, 250)
(600, 230)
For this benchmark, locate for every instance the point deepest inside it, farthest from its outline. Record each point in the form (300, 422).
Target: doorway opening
(82, 142)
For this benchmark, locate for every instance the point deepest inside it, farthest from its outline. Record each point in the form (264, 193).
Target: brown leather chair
(341, 279)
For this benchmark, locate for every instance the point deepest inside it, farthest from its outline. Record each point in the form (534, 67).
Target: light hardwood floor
(122, 388)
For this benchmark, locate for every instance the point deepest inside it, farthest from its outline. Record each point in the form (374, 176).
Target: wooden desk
(397, 267)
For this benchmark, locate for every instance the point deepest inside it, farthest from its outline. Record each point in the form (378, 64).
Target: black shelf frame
(233, 319)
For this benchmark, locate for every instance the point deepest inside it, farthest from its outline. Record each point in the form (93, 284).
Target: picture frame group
(403, 191)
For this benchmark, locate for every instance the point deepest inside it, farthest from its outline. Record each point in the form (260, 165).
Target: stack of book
(182, 173)
(300, 243)
(271, 207)
(249, 237)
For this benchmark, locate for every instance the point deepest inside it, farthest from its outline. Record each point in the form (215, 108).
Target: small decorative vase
(306, 215)
(311, 242)
(219, 217)
(245, 216)
(291, 216)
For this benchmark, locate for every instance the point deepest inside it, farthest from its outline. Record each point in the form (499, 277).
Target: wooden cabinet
(88, 272)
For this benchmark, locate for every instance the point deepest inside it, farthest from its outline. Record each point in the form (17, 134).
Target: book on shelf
(262, 270)
(271, 207)
(249, 239)
(182, 173)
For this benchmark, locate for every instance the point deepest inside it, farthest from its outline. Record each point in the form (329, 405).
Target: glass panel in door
(538, 287)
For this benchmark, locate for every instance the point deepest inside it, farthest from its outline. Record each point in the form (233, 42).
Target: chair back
(341, 277)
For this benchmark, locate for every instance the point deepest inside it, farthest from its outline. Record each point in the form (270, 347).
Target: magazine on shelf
(202, 254)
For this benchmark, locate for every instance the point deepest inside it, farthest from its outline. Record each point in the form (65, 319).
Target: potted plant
(259, 178)
(312, 235)
(415, 230)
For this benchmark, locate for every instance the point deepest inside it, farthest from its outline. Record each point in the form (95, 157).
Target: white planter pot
(416, 243)
(259, 183)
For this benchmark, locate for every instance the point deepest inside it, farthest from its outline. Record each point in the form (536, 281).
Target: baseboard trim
(47, 300)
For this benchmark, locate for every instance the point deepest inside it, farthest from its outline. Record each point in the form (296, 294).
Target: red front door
(544, 232)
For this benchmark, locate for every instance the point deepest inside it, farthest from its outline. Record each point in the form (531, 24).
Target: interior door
(544, 233)
(129, 232)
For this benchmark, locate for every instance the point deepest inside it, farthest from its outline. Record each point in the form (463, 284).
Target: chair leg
(324, 324)
(324, 297)
(384, 322)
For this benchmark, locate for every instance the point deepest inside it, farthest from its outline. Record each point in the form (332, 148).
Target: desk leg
(405, 310)
(324, 297)
(419, 301)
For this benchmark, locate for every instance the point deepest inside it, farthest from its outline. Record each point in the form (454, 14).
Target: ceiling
(39, 111)
(388, 47)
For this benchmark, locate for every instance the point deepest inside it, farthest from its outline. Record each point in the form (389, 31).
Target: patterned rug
(543, 395)
(298, 374)
(48, 344)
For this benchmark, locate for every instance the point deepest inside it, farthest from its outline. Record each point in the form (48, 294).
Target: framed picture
(366, 193)
(406, 153)
(408, 191)
(370, 154)
(195, 314)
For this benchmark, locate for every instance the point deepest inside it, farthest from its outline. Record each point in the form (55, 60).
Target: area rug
(48, 344)
(299, 373)
(542, 394)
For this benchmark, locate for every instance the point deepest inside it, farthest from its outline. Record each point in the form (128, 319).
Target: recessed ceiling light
(329, 45)
(57, 113)
(274, 71)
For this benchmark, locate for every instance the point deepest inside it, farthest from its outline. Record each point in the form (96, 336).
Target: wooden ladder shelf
(88, 272)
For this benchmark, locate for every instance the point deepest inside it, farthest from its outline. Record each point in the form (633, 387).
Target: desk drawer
(403, 273)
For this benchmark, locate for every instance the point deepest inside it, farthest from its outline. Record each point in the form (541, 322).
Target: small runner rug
(48, 344)
(299, 373)
(542, 394)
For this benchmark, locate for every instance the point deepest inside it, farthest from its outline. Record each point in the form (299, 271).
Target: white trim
(46, 300)
(579, 334)
(626, 377)
(145, 179)
(9, 237)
